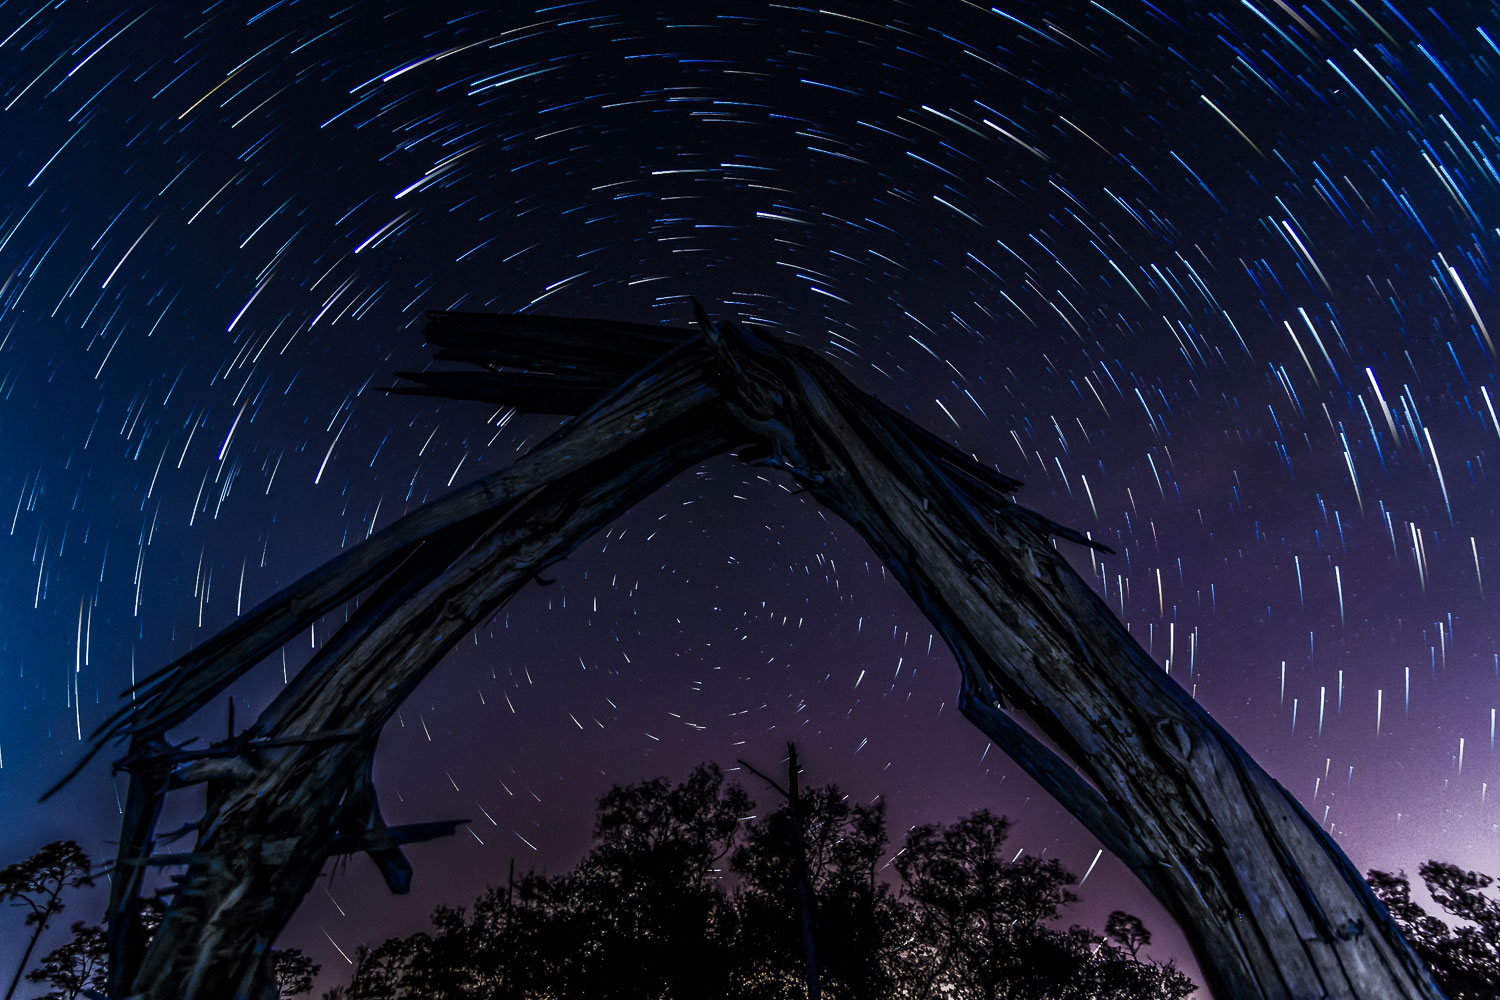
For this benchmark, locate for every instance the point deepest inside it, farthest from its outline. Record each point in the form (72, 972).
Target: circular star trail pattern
(1213, 278)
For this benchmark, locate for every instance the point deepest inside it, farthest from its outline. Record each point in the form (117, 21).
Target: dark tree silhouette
(37, 885)
(1128, 930)
(82, 962)
(294, 972)
(1465, 960)
(980, 918)
(647, 894)
(686, 895)
(641, 916)
(985, 925)
(857, 923)
(79, 964)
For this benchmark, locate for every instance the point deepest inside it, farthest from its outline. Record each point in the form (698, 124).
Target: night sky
(1213, 278)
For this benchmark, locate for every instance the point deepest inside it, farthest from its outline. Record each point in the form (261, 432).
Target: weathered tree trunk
(1272, 908)
(1270, 905)
(266, 840)
(291, 796)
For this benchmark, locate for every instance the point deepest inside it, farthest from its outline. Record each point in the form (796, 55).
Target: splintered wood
(1271, 906)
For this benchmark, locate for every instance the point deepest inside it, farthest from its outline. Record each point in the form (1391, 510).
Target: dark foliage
(80, 966)
(295, 972)
(684, 895)
(36, 885)
(1464, 959)
(857, 923)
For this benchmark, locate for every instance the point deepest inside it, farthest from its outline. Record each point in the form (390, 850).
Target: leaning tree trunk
(1272, 908)
(260, 853)
(295, 788)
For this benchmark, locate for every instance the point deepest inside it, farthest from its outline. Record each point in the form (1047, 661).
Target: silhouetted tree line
(80, 966)
(685, 894)
(1465, 960)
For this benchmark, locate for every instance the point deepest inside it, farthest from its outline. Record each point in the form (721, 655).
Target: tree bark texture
(290, 798)
(1271, 906)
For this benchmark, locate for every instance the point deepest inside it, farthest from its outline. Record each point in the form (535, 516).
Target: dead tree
(1271, 906)
(800, 877)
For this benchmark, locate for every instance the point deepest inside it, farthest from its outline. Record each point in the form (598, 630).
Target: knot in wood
(1175, 738)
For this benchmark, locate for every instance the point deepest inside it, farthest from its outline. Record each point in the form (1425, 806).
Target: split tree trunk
(1272, 908)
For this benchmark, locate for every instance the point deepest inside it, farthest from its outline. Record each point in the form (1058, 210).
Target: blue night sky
(1213, 278)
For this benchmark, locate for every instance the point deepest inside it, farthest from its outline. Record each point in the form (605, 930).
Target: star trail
(1212, 278)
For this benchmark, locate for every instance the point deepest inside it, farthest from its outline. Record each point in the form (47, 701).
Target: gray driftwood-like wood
(299, 787)
(1271, 907)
